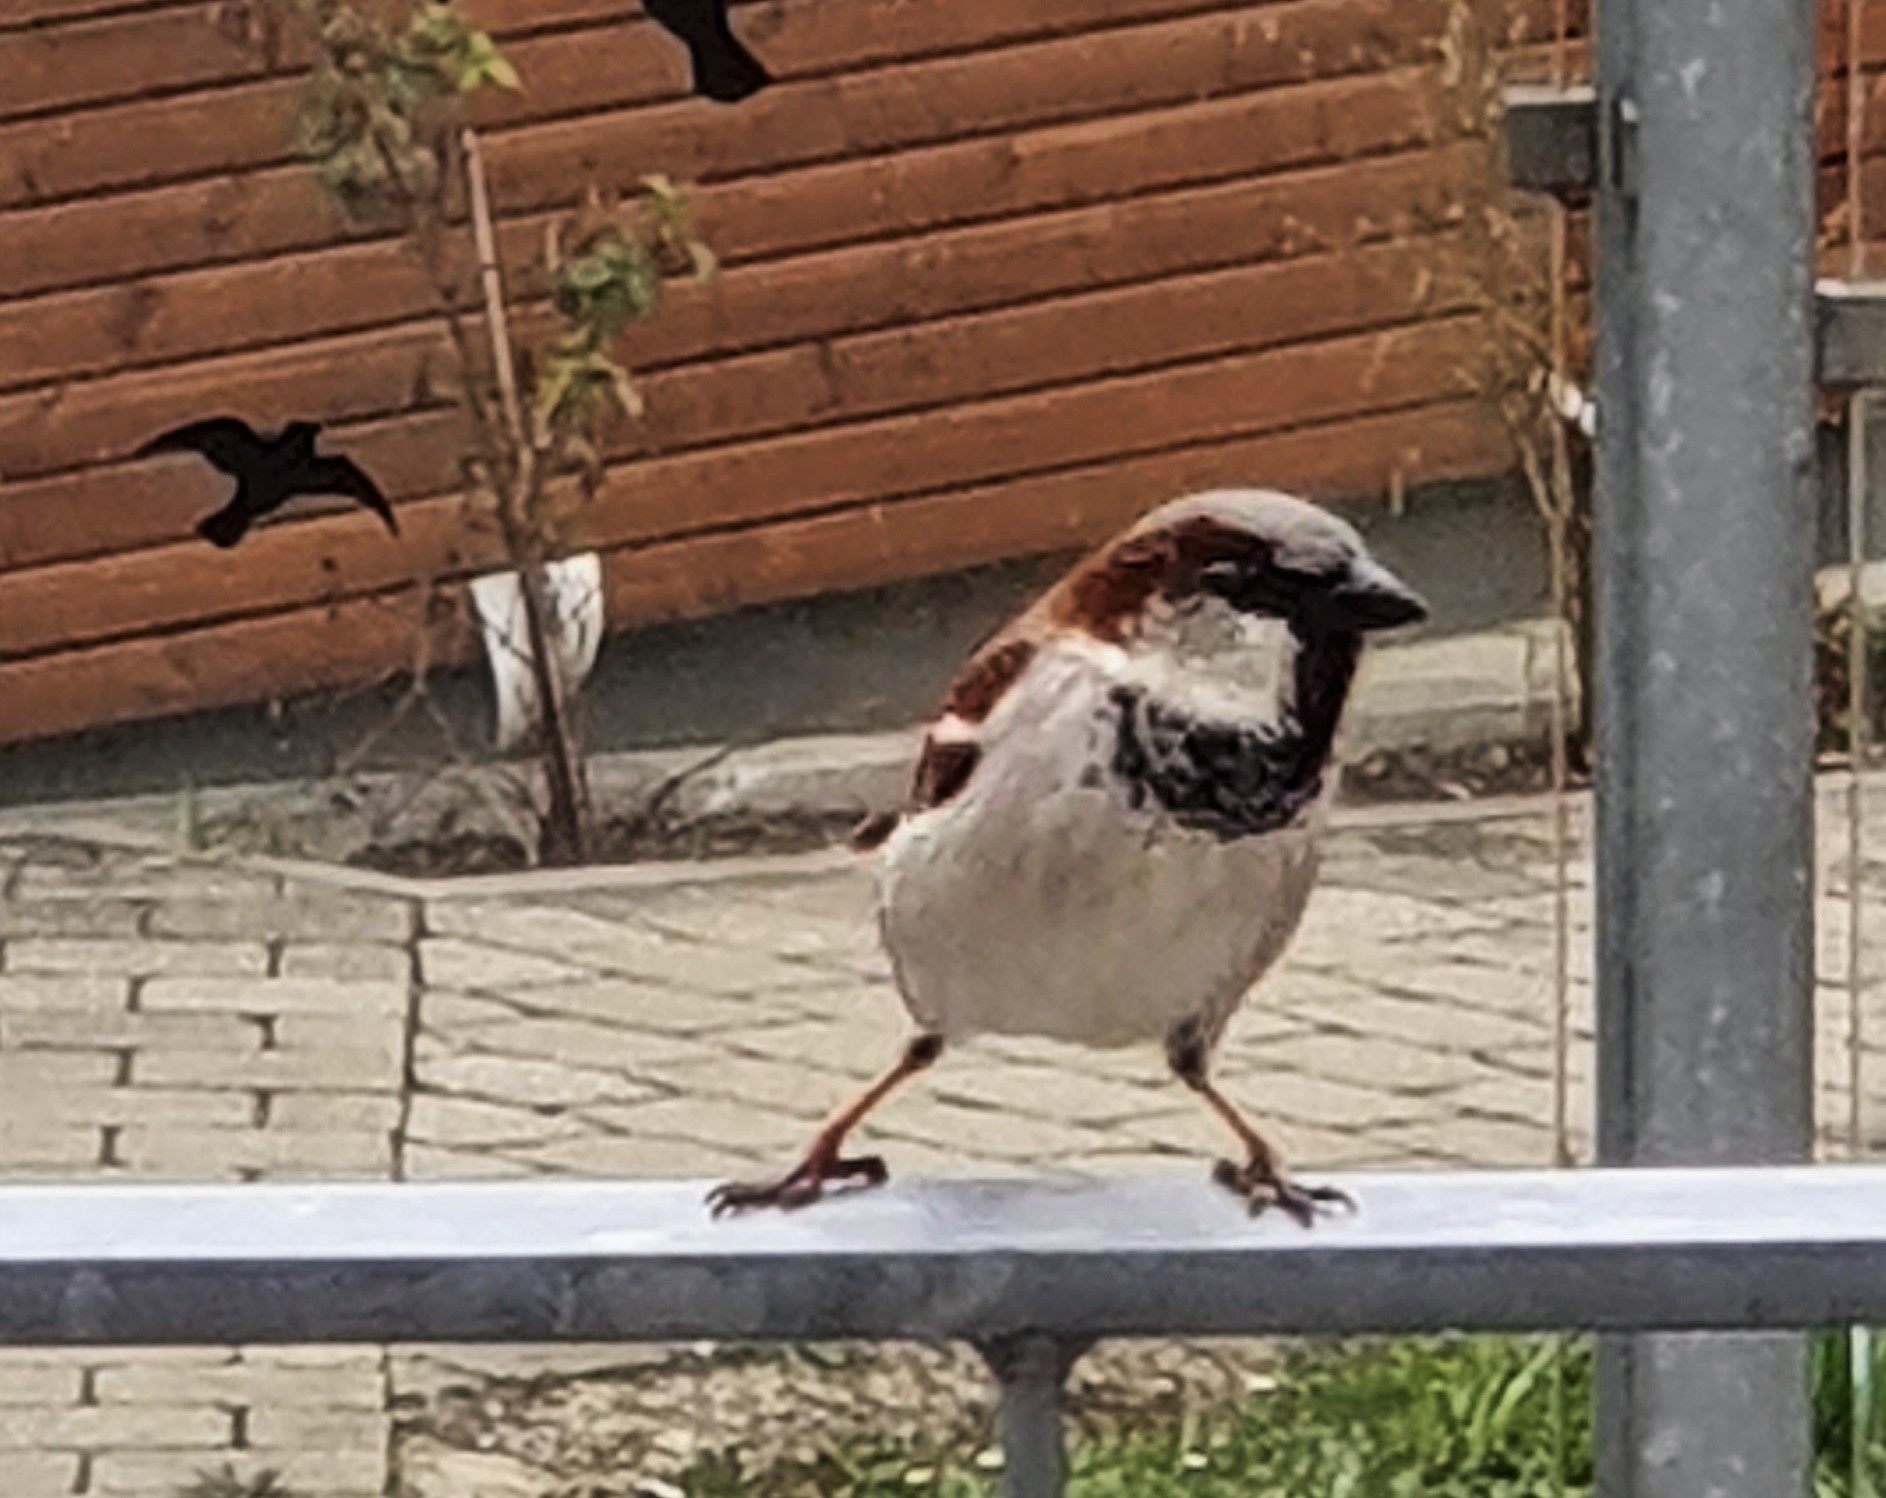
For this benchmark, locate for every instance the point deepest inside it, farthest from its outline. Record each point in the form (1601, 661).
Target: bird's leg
(1260, 1179)
(805, 1182)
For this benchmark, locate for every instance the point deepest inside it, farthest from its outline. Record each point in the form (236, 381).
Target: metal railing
(1031, 1273)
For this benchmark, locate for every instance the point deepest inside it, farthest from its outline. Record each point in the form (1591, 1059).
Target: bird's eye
(1219, 575)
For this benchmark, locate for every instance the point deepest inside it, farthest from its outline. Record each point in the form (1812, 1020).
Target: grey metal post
(1705, 532)
(1032, 1372)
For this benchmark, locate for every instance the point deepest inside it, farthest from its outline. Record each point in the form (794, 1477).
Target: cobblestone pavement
(171, 1018)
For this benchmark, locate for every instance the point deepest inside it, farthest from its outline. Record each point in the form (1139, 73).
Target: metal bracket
(1554, 145)
(1552, 138)
(1850, 334)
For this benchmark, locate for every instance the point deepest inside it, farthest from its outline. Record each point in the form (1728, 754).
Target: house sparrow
(1114, 823)
(269, 471)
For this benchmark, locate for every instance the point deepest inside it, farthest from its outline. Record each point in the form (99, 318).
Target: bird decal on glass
(724, 70)
(269, 470)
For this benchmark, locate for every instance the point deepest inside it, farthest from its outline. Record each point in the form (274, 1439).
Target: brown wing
(945, 765)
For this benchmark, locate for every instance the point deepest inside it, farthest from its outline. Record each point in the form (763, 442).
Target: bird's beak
(1373, 598)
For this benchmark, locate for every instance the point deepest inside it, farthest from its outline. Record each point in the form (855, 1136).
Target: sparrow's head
(1264, 555)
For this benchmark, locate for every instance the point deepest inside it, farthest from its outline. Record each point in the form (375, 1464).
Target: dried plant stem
(568, 824)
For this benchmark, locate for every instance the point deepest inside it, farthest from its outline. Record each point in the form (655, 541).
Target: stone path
(174, 1018)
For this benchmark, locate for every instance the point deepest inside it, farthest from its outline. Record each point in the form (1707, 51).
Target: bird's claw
(801, 1186)
(1264, 1188)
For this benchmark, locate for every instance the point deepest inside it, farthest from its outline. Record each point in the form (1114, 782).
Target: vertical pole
(1705, 530)
(1032, 1373)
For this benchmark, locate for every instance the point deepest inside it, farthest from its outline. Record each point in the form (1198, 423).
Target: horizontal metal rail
(1617, 1250)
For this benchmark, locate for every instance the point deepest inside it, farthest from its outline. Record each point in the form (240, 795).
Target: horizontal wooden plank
(807, 385)
(1833, 35)
(777, 213)
(115, 507)
(52, 608)
(361, 640)
(278, 300)
(168, 49)
(117, 57)
(348, 644)
(697, 576)
(821, 118)
(898, 456)
(832, 294)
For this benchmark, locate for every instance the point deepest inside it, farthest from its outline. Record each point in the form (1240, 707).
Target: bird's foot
(1263, 1188)
(799, 1187)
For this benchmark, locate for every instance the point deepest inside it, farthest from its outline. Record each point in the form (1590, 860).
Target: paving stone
(104, 916)
(630, 1157)
(272, 996)
(860, 1049)
(1374, 1062)
(301, 916)
(1428, 1023)
(1047, 1092)
(215, 1154)
(984, 1131)
(159, 1107)
(26, 1072)
(605, 946)
(95, 993)
(448, 1012)
(315, 1474)
(651, 1006)
(299, 1428)
(136, 958)
(350, 1355)
(450, 962)
(60, 1428)
(379, 1035)
(30, 1142)
(42, 1474)
(117, 1030)
(470, 1123)
(349, 961)
(912, 1159)
(354, 1070)
(1279, 1097)
(780, 929)
(524, 1080)
(1511, 1095)
(340, 1112)
(781, 1086)
(39, 1383)
(626, 1049)
(720, 1123)
(425, 1162)
(354, 1385)
(1481, 1141)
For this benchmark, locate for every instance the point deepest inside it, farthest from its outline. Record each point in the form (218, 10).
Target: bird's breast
(1056, 896)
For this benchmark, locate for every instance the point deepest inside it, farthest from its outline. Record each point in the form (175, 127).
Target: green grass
(1454, 1418)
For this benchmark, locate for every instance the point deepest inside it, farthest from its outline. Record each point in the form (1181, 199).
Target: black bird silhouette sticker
(269, 471)
(723, 68)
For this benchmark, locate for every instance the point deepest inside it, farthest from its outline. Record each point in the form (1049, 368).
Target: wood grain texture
(997, 277)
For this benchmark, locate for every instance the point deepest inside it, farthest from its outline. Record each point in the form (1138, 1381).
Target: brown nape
(822, 1163)
(989, 674)
(1108, 592)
